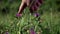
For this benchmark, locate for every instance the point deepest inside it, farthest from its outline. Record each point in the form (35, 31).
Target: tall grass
(48, 24)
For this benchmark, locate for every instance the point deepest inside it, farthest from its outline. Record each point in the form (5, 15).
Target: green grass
(50, 19)
(50, 23)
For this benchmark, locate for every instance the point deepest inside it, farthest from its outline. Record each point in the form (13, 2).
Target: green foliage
(50, 19)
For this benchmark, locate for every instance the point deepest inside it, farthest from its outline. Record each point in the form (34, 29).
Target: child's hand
(23, 5)
(28, 3)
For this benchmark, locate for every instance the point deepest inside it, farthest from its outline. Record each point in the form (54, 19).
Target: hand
(23, 5)
(28, 3)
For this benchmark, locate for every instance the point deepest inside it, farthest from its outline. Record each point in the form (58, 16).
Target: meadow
(49, 22)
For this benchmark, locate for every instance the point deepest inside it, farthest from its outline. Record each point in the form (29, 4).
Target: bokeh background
(49, 22)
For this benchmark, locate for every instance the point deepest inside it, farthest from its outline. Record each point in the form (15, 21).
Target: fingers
(40, 1)
(28, 2)
(22, 6)
(36, 5)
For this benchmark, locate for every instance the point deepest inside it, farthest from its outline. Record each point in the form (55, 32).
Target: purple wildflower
(32, 31)
(36, 14)
(18, 15)
(7, 32)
